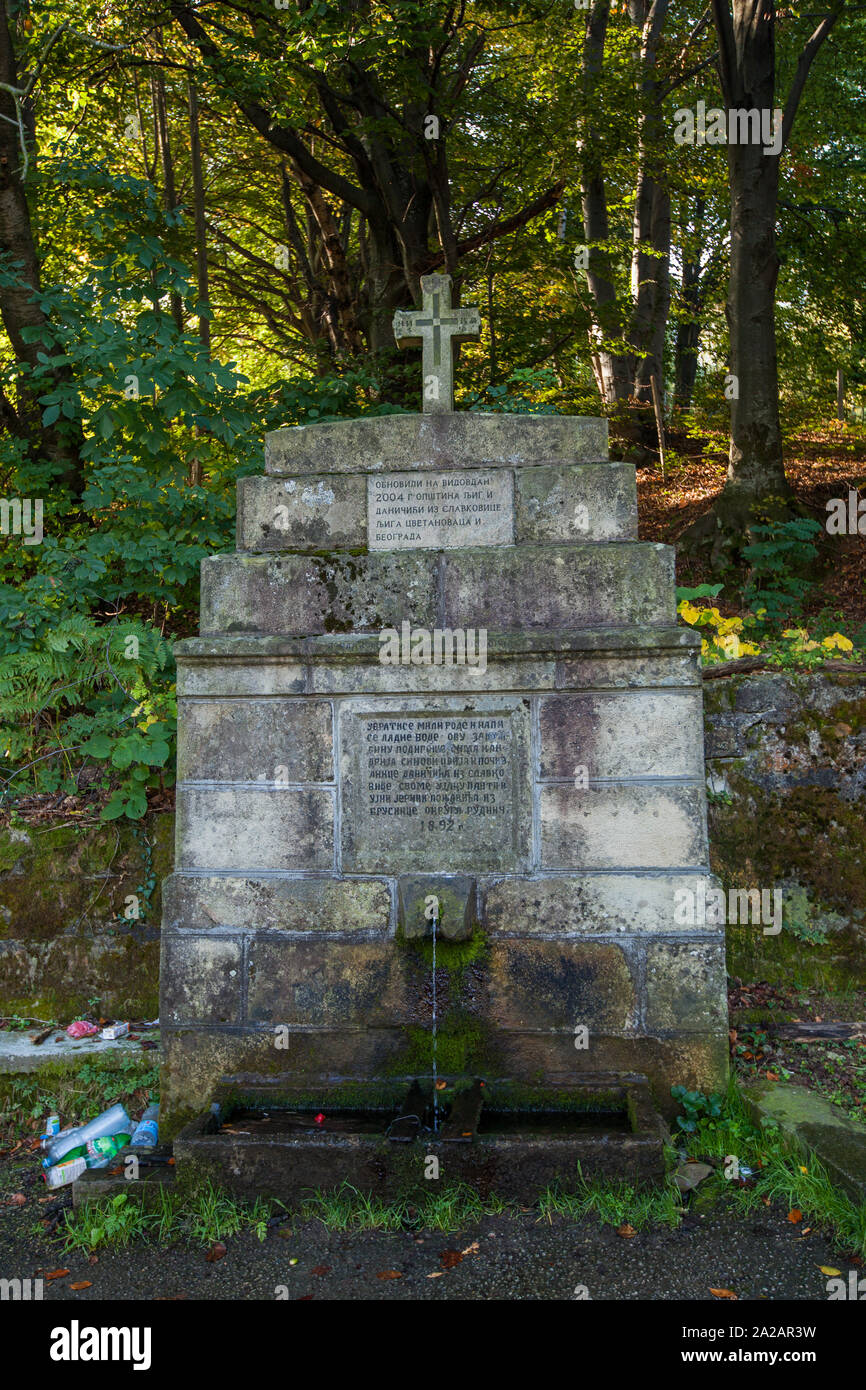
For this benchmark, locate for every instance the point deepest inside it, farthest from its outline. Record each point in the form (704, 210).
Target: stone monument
(439, 687)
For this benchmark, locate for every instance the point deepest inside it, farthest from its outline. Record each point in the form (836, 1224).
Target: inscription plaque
(436, 792)
(440, 511)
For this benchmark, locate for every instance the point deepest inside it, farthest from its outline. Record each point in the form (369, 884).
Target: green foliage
(702, 591)
(76, 1096)
(86, 674)
(85, 695)
(701, 1112)
(777, 582)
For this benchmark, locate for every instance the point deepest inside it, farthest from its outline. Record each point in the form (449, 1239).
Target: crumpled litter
(81, 1029)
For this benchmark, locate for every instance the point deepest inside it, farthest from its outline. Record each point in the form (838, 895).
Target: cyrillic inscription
(440, 510)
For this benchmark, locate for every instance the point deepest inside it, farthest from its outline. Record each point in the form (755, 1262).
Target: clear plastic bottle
(146, 1132)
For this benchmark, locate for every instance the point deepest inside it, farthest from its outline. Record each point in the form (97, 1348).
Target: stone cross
(435, 329)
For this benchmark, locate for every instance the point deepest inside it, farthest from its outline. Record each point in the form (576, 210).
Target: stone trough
(253, 1143)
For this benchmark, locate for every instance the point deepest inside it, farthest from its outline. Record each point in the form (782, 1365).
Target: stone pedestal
(334, 776)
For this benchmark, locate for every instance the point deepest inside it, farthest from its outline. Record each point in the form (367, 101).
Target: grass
(346, 1209)
(210, 1215)
(615, 1204)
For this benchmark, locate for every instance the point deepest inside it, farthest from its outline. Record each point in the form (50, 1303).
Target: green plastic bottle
(100, 1151)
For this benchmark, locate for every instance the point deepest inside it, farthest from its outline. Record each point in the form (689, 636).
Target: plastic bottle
(110, 1122)
(65, 1172)
(146, 1132)
(102, 1151)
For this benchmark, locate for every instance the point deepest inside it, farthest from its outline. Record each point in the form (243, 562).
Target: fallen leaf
(772, 1075)
(449, 1258)
(93, 1260)
(828, 1269)
(471, 1249)
(17, 1199)
(321, 1269)
(437, 1274)
(795, 1215)
(389, 1274)
(216, 1252)
(626, 1230)
(724, 1293)
(57, 1274)
(82, 1284)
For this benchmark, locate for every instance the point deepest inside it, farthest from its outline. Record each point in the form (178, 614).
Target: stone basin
(256, 1143)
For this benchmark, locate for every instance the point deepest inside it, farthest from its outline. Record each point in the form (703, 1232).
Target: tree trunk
(651, 237)
(169, 196)
(755, 467)
(18, 309)
(199, 216)
(747, 68)
(686, 362)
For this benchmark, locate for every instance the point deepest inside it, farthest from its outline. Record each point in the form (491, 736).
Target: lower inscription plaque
(434, 792)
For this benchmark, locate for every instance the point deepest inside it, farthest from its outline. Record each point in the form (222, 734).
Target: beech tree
(360, 114)
(746, 31)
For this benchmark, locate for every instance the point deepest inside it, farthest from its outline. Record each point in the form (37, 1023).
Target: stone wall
(64, 939)
(786, 765)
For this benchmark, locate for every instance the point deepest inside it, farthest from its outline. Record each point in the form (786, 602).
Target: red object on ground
(81, 1029)
(320, 1119)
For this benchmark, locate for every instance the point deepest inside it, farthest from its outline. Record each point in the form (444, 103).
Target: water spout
(435, 920)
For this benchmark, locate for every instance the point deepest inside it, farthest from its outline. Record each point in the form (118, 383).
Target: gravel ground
(516, 1256)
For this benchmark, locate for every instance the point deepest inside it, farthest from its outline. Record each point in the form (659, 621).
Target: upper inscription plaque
(440, 511)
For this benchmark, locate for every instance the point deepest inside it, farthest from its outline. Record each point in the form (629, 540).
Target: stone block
(578, 502)
(243, 828)
(200, 903)
(686, 986)
(587, 906)
(460, 440)
(628, 827)
(308, 594)
(651, 734)
(561, 985)
(201, 979)
(255, 741)
(361, 985)
(535, 587)
(329, 513)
